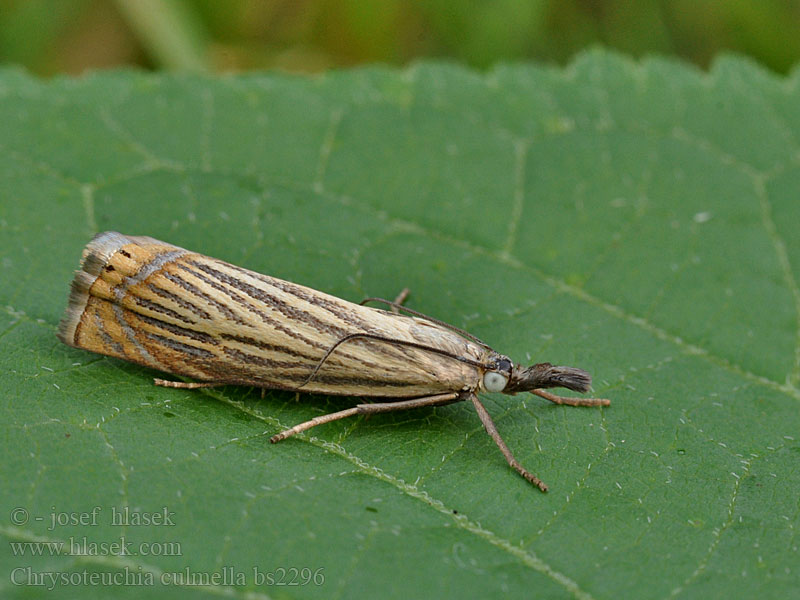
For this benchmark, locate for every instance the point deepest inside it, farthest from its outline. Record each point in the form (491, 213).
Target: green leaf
(638, 220)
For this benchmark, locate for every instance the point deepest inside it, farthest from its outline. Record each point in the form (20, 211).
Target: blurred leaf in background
(312, 35)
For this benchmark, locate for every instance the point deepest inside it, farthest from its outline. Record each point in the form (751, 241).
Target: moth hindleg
(368, 409)
(187, 385)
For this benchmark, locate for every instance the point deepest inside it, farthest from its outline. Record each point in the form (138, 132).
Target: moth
(176, 311)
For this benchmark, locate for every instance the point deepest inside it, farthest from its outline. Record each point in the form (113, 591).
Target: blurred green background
(56, 36)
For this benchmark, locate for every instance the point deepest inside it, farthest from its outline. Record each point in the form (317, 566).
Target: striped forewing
(177, 311)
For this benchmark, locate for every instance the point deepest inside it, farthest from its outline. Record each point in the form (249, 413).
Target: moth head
(545, 375)
(497, 374)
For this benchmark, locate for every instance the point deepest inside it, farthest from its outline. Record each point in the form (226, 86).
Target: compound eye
(494, 381)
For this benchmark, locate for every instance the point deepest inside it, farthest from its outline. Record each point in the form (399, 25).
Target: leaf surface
(638, 220)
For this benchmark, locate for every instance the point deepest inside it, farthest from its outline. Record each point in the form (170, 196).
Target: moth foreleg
(368, 409)
(572, 401)
(491, 429)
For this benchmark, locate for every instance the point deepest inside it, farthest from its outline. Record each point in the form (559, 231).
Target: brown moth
(180, 312)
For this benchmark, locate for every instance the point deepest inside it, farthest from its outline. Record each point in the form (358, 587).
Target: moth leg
(491, 429)
(398, 306)
(368, 409)
(401, 297)
(571, 401)
(184, 385)
(437, 400)
(395, 304)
